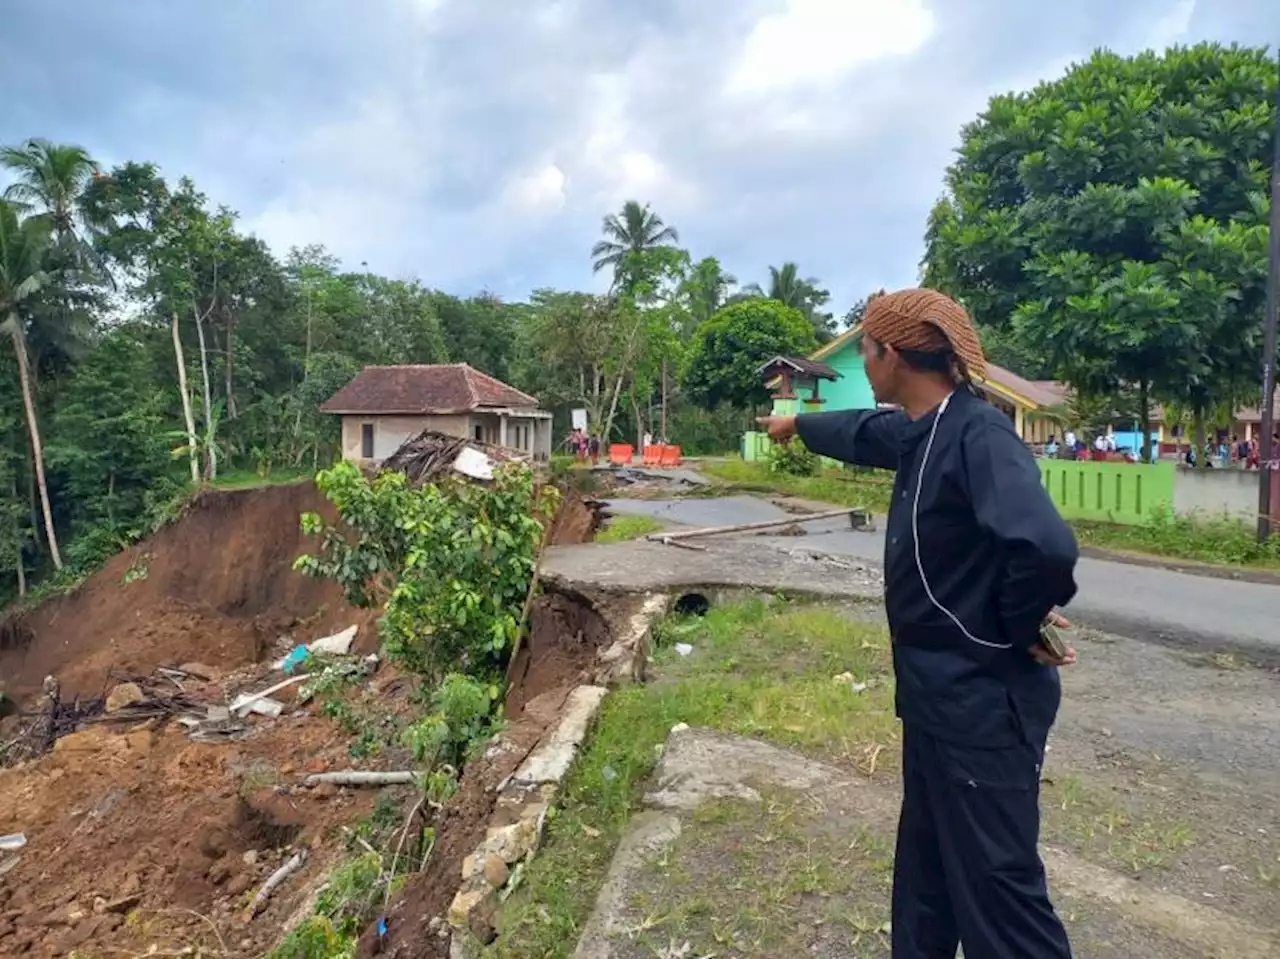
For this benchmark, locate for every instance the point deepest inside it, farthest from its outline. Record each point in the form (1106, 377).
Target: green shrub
(792, 459)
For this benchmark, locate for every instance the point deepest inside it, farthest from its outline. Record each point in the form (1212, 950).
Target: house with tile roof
(386, 405)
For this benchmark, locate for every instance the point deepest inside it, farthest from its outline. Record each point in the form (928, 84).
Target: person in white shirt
(648, 439)
(1069, 439)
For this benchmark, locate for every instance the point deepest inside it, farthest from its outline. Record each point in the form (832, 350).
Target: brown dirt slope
(219, 588)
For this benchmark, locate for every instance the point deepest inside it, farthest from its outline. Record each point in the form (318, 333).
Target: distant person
(1069, 439)
(593, 449)
(1051, 447)
(976, 558)
(648, 441)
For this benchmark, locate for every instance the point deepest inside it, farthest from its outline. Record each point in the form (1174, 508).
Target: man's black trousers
(967, 868)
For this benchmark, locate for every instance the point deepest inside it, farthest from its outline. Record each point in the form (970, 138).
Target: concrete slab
(772, 564)
(759, 807)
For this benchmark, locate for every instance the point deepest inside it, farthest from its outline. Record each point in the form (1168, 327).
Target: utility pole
(1269, 342)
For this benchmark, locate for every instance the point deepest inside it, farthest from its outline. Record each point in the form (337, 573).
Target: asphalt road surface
(1136, 601)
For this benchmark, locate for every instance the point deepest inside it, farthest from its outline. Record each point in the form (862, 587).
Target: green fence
(755, 446)
(1123, 493)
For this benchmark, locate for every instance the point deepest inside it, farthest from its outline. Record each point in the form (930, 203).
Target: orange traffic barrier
(620, 454)
(651, 455)
(670, 455)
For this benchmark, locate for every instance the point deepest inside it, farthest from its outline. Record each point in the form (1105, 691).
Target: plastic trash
(13, 841)
(684, 649)
(297, 656)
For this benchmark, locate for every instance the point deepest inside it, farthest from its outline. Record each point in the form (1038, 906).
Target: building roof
(424, 390)
(1032, 393)
(1253, 414)
(801, 365)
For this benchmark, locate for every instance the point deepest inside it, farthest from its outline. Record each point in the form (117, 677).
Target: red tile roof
(422, 390)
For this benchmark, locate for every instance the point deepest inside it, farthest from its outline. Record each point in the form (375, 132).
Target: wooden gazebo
(786, 374)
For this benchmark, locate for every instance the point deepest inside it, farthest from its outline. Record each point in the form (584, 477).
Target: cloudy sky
(477, 143)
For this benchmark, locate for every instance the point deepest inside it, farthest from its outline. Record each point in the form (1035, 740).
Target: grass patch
(870, 490)
(624, 528)
(1091, 820)
(758, 669)
(1198, 539)
(782, 876)
(248, 478)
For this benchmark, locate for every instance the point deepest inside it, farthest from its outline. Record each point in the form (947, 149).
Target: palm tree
(787, 287)
(50, 181)
(23, 246)
(706, 289)
(634, 230)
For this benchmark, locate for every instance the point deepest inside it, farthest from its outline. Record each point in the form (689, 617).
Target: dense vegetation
(153, 346)
(1109, 228)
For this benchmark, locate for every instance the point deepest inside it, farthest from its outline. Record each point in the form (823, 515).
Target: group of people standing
(584, 446)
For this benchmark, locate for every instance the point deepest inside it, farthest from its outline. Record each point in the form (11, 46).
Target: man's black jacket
(993, 550)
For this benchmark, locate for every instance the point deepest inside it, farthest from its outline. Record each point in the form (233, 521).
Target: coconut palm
(633, 230)
(50, 181)
(23, 248)
(788, 287)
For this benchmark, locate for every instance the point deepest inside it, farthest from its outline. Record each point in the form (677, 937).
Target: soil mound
(217, 586)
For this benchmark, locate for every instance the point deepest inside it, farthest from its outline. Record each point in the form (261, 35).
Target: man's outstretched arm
(857, 437)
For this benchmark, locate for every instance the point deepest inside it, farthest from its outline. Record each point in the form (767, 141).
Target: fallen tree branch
(353, 777)
(672, 538)
(296, 862)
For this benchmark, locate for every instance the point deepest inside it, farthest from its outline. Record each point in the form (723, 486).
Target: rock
(220, 872)
(131, 885)
(325, 791)
(466, 902)
(513, 842)
(239, 884)
(124, 695)
(496, 872)
(315, 765)
(200, 670)
(85, 741)
(250, 858)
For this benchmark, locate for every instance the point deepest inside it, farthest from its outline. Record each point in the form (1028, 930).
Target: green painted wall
(1124, 493)
(853, 390)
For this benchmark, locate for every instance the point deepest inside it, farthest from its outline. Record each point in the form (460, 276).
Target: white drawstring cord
(915, 533)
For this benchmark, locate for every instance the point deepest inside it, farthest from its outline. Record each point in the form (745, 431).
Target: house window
(366, 441)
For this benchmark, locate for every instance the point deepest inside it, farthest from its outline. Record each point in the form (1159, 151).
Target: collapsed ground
(148, 833)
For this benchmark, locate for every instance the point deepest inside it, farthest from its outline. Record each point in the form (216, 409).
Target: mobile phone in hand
(1052, 639)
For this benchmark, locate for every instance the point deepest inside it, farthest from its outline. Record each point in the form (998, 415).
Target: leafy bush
(459, 720)
(451, 561)
(792, 459)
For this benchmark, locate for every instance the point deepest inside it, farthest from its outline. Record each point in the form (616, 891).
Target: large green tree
(1113, 223)
(724, 359)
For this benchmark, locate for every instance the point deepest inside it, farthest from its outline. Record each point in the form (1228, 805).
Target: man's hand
(779, 428)
(1042, 653)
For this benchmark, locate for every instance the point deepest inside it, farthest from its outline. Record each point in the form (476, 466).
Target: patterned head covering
(927, 321)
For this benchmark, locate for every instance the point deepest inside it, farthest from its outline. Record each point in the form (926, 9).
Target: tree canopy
(724, 360)
(1111, 225)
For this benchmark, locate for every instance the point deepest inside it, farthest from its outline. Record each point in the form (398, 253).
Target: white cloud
(1172, 27)
(819, 42)
(539, 193)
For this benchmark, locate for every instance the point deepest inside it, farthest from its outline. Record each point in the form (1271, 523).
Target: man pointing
(976, 559)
